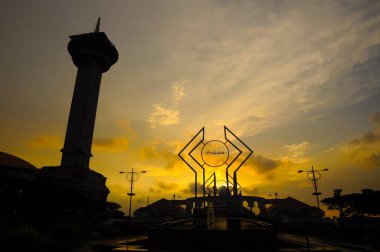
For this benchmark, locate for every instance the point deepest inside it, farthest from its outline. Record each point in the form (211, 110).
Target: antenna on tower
(97, 25)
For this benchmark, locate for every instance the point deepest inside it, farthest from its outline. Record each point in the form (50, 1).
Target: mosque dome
(13, 161)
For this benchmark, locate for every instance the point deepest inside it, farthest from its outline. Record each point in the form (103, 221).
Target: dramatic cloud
(369, 137)
(189, 189)
(162, 153)
(153, 190)
(162, 187)
(366, 138)
(111, 144)
(297, 151)
(250, 190)
(141, 201)
(148, 152)
(171, 159)
(363, 150)
(166, 186)
(375, 119)
(298, 61)
(262, 164)
(164, 114)
(129, 129)
(45, 141)
(270, 176)
(375, 158)
(178, 91)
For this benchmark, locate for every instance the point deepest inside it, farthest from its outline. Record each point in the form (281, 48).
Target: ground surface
(289, 242)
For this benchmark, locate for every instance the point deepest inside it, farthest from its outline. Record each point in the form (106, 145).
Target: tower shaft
(80, 127)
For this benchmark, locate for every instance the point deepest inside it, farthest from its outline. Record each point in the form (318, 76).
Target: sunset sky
(297, 81)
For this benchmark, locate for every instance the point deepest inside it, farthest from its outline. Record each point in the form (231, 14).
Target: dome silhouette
(13, 161)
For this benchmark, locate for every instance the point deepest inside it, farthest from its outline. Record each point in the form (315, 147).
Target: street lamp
(131, 176)
(174, 196)
(314, 176)
(276, 195)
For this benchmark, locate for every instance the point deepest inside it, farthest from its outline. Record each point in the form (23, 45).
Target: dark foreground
(286, 242)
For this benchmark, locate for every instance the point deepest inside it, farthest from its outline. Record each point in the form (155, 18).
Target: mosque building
(93, 54)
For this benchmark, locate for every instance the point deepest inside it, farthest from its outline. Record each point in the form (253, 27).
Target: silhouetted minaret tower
(93, 54)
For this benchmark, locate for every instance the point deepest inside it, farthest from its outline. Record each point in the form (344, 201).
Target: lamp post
(131, 176)
(174, 196)
(314, 176)
(276, 195)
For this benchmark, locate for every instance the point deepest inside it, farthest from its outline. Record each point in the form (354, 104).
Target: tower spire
(97, 25)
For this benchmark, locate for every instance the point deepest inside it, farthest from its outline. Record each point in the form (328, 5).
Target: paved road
(121, 244)
(318, 243)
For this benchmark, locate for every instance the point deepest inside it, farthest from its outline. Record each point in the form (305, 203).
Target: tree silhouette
(366, 203)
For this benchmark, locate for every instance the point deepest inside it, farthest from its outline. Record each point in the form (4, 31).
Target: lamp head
(325, 169)
(300, 171)
(143, 171)
(121, 172)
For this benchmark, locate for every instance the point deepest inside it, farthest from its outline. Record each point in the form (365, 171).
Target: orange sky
(297, 81)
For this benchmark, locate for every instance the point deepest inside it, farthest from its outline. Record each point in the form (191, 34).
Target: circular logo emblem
(215, 153)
